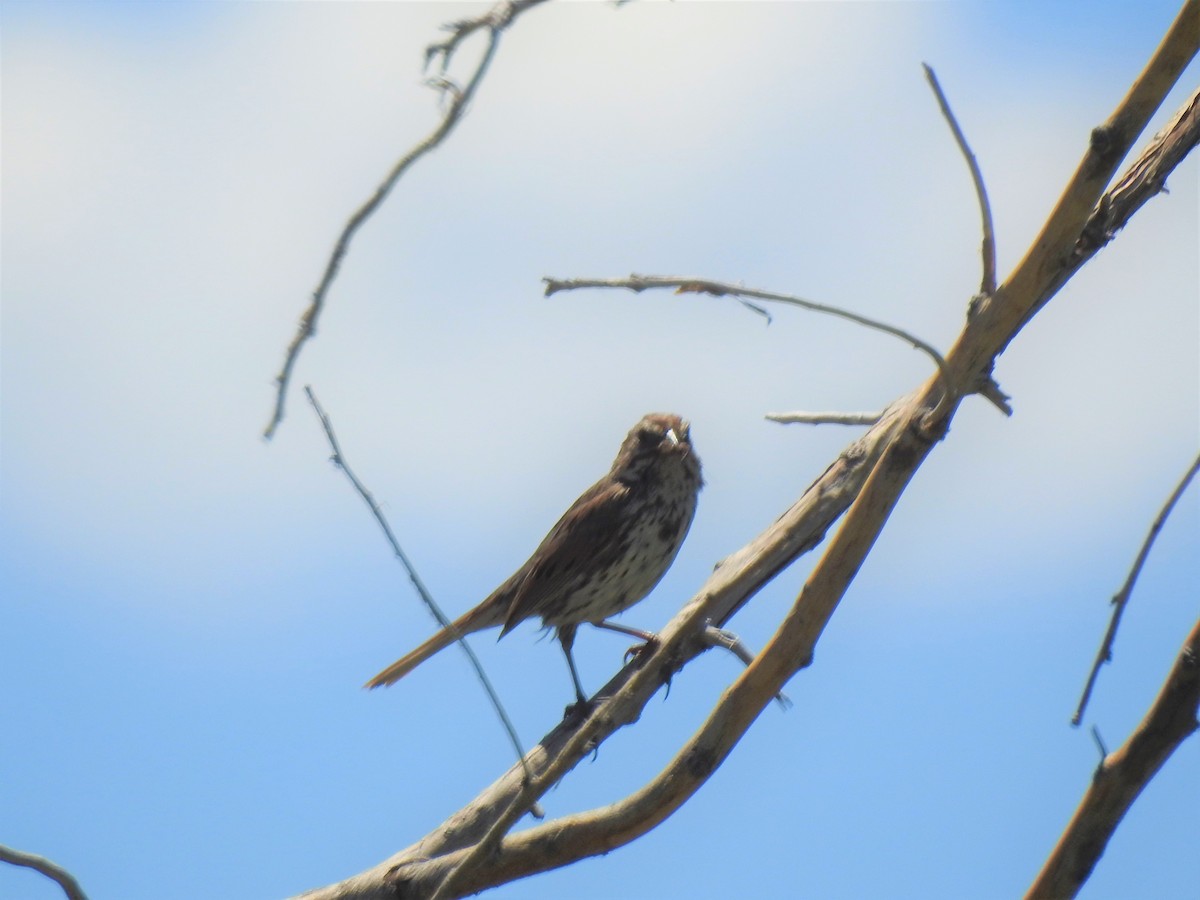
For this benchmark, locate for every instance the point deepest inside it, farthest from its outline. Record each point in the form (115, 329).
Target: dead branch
(1145, 178)
(51, 870)
(411, 570)
(1121, 599)
(868, 478)
(495, 21)
(987, 284)
(1122, 775)
(822, 418)
(639, 283)
(421, 867)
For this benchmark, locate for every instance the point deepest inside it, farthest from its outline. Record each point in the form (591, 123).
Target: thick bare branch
(1145, 178)
(1121, 777)
(1085, 213)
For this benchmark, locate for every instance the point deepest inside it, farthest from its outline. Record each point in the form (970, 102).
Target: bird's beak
(672, 437)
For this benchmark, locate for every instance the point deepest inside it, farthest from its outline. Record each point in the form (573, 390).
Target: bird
(606, 553)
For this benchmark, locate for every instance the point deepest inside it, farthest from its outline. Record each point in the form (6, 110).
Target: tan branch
(1145, 178)
(1068, 239)
(1121, 777)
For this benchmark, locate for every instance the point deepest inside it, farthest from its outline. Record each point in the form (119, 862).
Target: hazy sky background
(189, 611)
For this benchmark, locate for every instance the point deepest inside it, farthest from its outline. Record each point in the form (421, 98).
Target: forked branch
(1121, 777)
(866, 482)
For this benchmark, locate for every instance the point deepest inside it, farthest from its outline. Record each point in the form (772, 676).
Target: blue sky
(189, 611)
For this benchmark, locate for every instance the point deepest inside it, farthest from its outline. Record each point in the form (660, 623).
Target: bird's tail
(485, 615)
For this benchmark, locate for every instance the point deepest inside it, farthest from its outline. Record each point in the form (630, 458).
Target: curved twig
(987, 284)
(639, 283)
(495, 21)
(50, 869)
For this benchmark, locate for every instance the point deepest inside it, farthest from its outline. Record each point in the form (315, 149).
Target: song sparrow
(604, 555)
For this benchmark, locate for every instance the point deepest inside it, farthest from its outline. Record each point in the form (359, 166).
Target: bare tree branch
(719, 637)
(51, 870)
(1145, 178)
(495, 21)
(868, 478)
(1121, 599)
(987, 284)
(419, 869)
(1109, 144)
(1121, 777)
(822, 418)
(683, 285)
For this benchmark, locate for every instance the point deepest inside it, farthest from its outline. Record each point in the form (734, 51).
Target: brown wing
(582, 538)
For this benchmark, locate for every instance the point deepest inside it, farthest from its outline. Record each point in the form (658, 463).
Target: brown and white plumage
(605, 554)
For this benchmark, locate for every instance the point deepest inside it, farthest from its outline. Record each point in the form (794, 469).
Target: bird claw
(645, 647)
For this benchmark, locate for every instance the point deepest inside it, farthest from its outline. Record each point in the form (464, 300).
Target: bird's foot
(644, 649)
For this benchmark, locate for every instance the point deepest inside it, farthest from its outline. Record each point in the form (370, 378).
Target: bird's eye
(650, 436)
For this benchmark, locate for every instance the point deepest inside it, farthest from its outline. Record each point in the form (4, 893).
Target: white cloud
(169, 207)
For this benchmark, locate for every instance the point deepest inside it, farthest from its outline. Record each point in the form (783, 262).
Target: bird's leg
(644, 636)
(566, 636)
(648, 638)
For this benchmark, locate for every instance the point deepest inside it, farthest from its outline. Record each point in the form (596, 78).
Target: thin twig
(727, 640)
(822, 418)
(988, 247)
(1121, 599)
(340, 461)
(495, 21)
(639, 283)
(51, 870)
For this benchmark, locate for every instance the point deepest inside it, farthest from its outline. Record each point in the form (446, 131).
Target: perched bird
(605, 554)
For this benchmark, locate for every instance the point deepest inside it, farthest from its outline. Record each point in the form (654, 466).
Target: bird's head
(659, 442)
